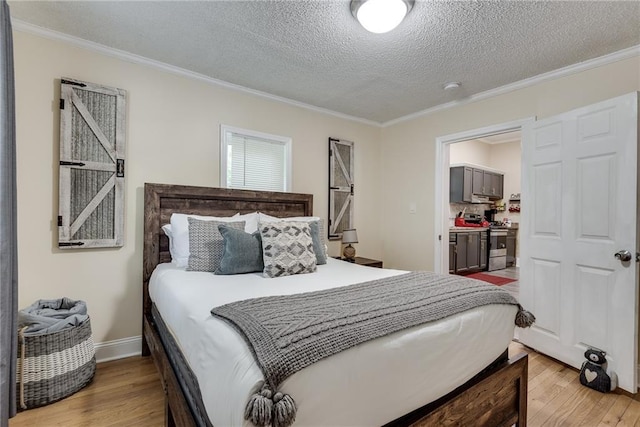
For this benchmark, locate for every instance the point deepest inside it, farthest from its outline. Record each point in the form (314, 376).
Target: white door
(579, 201)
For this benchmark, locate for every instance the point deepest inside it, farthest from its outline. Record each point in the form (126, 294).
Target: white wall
(172, 137)
(408, 150)
(472, 152)
(507, 158)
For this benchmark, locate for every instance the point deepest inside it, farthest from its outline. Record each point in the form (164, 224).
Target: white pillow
(262, 217)
(167, 231)
(180, 235)
(250, 221)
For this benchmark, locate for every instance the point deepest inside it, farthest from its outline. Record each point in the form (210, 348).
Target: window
(254, 161)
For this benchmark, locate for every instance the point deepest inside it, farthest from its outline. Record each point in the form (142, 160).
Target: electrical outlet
(412, 208)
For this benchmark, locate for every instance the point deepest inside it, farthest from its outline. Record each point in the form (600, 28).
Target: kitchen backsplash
(478, 208)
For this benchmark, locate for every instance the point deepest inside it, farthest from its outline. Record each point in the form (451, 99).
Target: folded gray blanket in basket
(48, 316)
(290, 332)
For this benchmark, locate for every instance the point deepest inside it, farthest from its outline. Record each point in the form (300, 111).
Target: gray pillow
(287, 248)
(241, 253)
(205, 244)
(318, 243)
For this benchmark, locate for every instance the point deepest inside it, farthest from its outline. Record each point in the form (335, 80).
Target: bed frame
(495, 397)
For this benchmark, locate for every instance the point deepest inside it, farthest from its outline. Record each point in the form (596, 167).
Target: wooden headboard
(161, 200)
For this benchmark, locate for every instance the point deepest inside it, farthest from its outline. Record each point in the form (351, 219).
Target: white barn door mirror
(92, 167)
(341, 187)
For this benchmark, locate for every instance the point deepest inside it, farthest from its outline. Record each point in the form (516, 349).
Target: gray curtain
(8, 232)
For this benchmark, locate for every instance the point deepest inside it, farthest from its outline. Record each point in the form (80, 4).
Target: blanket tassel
(284, 410)
(266, 409)
(524, 318)
(260, 408)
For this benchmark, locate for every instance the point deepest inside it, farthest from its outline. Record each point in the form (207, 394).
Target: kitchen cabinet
(468, 251)
(452, 253)
(489, 184)
(497, 185)
(484, 251)
(473, 251)
(460, 184)
(478, 182)
(461, 253)
(465, 181)
(511, 247)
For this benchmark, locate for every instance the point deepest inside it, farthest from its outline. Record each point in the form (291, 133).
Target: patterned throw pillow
(287, 248)
(206, 244)
(317, 232)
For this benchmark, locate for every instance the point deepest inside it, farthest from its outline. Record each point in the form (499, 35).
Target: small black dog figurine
(593, 373)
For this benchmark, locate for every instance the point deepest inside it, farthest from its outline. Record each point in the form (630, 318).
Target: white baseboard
(118, 349)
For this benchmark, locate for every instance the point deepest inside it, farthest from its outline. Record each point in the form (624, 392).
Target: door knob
(623, 255)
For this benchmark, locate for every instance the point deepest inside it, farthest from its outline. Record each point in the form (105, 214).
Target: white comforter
(370, 384)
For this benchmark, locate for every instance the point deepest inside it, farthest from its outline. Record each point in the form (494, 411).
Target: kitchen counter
(503, 227)
(467, 229)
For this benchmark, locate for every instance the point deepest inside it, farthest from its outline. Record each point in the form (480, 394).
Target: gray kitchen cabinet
(473, 251)
(460, 184)
(467, 251)
(452, 253)
(478, 182)
(461, 253)
(488, 184)
(497, 185)
(511, 247)
(484, 251)
(465, 181)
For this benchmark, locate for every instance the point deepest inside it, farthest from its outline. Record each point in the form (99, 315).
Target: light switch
(412, 208)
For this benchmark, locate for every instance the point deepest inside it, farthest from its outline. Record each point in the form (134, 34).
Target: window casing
(254, 161)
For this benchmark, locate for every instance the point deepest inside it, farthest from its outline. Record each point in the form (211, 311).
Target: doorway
(444, 158)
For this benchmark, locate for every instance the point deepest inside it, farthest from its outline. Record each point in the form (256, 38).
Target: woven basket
(54, 366)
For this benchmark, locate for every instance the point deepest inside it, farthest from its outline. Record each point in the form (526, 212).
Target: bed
(492, 392)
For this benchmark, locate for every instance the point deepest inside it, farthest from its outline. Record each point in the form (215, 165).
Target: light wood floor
(124, 392)
(128, 393)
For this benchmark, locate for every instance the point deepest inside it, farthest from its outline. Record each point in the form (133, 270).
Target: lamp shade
(350, 236)
(380, 16)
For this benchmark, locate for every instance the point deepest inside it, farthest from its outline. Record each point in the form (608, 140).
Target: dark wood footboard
(496, 397)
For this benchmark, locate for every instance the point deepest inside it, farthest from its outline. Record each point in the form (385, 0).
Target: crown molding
(551, 75)
(19, 25)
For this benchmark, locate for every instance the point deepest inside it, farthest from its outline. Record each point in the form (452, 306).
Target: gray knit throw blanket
(290, 332)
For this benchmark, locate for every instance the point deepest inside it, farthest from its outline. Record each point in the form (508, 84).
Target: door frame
(441, 214)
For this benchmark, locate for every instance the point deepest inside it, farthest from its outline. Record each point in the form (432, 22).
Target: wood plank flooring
(128, 393)
(124, 392)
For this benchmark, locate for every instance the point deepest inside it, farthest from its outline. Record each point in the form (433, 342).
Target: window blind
(255, 163)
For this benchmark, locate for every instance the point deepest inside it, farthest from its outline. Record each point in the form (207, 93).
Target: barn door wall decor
(341, 187)
(92, 174)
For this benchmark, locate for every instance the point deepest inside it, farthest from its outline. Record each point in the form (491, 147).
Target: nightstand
(365, 261)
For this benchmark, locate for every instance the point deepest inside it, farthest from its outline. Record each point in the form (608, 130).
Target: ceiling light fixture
(380, 16)
(452, 85)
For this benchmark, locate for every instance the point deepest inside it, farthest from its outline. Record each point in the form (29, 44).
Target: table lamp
(349, 236)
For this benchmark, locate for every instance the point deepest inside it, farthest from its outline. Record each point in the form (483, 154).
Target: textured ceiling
(314, 52)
